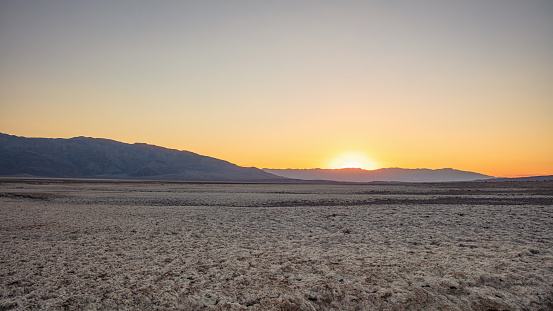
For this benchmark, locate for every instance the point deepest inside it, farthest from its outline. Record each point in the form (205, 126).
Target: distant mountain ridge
(383, 174)
(84, 157)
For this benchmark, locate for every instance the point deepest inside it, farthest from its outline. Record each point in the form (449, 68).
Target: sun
(353, 160)
(351, 164)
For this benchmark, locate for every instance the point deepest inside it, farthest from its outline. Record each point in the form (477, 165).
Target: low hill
(84, 157)
(384, 174)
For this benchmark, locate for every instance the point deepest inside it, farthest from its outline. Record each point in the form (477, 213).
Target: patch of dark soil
(41, 196)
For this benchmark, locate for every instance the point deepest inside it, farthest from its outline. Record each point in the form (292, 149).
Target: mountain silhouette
(84, 157)
(383, 174)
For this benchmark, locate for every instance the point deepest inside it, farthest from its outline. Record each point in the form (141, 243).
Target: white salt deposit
(177, 246)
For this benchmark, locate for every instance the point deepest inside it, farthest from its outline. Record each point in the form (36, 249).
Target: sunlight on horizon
(353, 160)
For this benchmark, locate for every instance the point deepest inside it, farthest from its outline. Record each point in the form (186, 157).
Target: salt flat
(84, 245)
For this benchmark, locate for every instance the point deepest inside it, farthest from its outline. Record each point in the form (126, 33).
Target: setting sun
(353, 160)
(352, 164)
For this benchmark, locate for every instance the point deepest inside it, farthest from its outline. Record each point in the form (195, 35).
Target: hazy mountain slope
(83, 157)
(384, 174)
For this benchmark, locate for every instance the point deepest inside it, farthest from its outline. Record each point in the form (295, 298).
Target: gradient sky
(290, 84)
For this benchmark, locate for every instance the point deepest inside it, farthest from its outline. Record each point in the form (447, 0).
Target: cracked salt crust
(178, 246)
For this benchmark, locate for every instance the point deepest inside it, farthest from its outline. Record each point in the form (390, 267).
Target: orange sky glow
(286, 84)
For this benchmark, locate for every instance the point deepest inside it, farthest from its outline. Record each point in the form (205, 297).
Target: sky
(290, 84)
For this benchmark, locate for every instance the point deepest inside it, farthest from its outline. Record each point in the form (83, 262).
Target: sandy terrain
(177, 246)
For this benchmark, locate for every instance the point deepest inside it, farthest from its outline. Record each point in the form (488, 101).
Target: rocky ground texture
(84, 245)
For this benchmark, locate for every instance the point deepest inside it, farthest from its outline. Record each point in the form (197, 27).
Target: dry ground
(69, 245)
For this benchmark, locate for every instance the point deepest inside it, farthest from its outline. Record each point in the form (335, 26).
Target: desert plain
(114, 245)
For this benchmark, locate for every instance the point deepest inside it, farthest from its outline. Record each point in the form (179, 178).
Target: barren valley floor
(86, 245)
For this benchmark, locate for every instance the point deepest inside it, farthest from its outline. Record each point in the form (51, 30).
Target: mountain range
(84, 157)
(383, 174)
